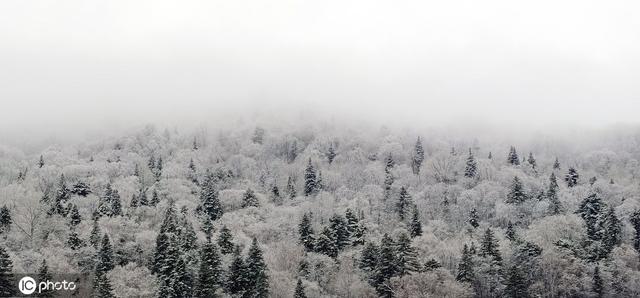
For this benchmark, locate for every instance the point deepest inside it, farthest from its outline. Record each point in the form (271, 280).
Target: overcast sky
(84, 64)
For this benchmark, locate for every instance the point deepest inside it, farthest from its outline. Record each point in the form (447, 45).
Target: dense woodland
(326, 211)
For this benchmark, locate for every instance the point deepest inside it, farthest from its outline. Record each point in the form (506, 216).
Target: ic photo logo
(27, 285)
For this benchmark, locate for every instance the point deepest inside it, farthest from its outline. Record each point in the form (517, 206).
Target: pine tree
(155, 199)
(592, 210)
(5, 219)
(81, 189)
(61, 197)
(489, 247)
(74, 216)
(44, 275)
(513, 158)
(635, 222)
(41, 162)
(388, 177)
(407, 257)
(369, 257)
(116, 203)
(556, 164)
(473, 218)
(612, 230)
(179, 283)
(225, 240)
(471, 169)
(352, 224)
(209, 201)
(7, 287)
(299, 291)
(95, 236)
(105, 256)
(236, 277)
(74, 240)
(291, 189)
(598, 285)
(418, 157)
(431, 265)
(386, 267)
(305, 230)
(192, 175)
(303, 268)
(102, 286)
(511, 232)
(516, 193)
(249, 199)
(209, 273)
(157, 171)
(555, 207)
(331, 154)
(340, 231)
(186, 232)
(416, 225)
(516, 284)
(532, 161)
(404, 201)
(572, 177)
(142, 196)
(275, 193)
(309, 179)
(465, 267)
(326, 243)
(257, 272)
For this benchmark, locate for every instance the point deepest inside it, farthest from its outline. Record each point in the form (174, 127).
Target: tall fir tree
(256, 272)
(41, 162)
(532, 161)
(192, 174)
(386, 267)
(417, 158)
(249, 199)
(5, 220)
(209, 272)
(612, 230)
(515, 283)
(74, 216)
(572, 177)
(471, 167)
(306, 233)
(511, 232)
(597, 283)
(489, 247)
(236, 282)
(209, 201)
(634, 218)
(291, 188)
(516, 193)
(331, 154)
(326, 243)
(369, 257)
(556, 164)
(340, 231)
(555, 207)
(43, 275)
(7, 286)
(155, 199)
(465, 267)
(225, 240)
(406, 256)
(403, 204)
(415, 227)
(74, 242)
(299, 291)
(95, 236)
(105, 261)
(310, 179)
(474, 218)
(102, 286)
(513, 158)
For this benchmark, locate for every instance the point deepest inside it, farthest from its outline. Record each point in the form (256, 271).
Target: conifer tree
(74, 216)
(489, 247)
(556, 164)
(102, 286)
(7, 286)
(5, 219)
(41, 162)
(44, 275)
(186, 233)
(192, 175)
(634, 218)
(513, 158)
(407, 257)
(305, 230)
(303, 268)
(352, 223)
(209, 273)
(511, 232)
(572, 177)
(142, 196)
(310, 179)
(471, 169)
(194, 145)
(340, 231)
(331, 154)
(516, 283)
(473, 218)
(326, 243)
(275, 192)
(105, 256)
(256, 272)
(299, 291)
(225, 240)
(236, 277)
(369, 257)
(209, 202)
(516, 193)
(431, 265)
(490, 156)
(249, 199)
(465, 267)
(386, 267)
(404, 201)
(81, 189)
(532, 161)
(291, 189)
(598, 285)
(593, 211)
(95, 236)
(416, 225)
(555, 207)
(61, 197)
(418, 157)
(612, 230)
(116, 204)
(74, 240)
(155, 199)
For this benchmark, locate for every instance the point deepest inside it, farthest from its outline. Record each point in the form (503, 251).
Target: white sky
(85, 63)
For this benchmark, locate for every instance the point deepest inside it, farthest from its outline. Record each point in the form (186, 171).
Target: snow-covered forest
(326, 210)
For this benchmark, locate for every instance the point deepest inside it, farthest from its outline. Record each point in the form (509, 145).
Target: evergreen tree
(81, 189)
(340, 231)
(157, 171)
(95, 236)
(256, 272)
(60, 199)
(556, 164)
(194, 145)
(116, 204)
(186, 232)
(416, 225)
(225, 240)
(532, 161)
(209, 201)
(275, 192)
(142, 197)
(513, 158)
(105, 256)
(404, 201)
(516, 193)
(74, 216)
(299, 291)
(572, 177)
(612, 230)
(331, 154)
(511, 232)
(603, 228)
(635, 222)
(249, 199)
(471, 169)
(369, 257)
(43, 275)
(5, 219)
(489, 247)
(473, 218)
(303, 268)
(352, 224)
(418, 157)
(209, 273)
(555, 207)
(291, 189)
(236, 277)
(192, 175)
(431, 265)
(598, 285)
(309, 179)
(326, 243)
(407, 257)
(388, 177)
(516, 284)
(74, 240)
(7, 287)
(465, 267)
(179, 283)
(102, 286)
(41, 162)
(305, 230)
(386, 267)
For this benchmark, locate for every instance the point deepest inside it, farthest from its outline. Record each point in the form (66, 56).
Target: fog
(71, 67)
